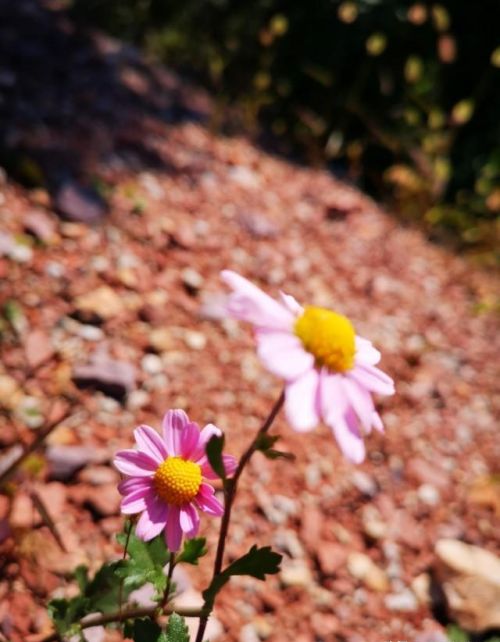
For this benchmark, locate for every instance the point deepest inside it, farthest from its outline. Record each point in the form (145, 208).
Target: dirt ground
(136, 297)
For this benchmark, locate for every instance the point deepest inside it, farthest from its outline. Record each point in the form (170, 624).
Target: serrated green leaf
(272, 453)
(214, 453)
(177, 630)
(144, 630)
(265, 441)
(103, 592)
(193, 550)
(66, 613)
(81, 576)
(145, 564)
(265, 445)
(258, 563)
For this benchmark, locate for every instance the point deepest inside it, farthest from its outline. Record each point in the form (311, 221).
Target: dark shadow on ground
(72, 102)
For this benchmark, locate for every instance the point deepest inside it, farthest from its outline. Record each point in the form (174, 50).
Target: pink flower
(329, 371)
(165, 479)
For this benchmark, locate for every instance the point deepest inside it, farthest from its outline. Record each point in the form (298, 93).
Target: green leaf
(103, 592)
(265, 444)
(81, 576)
(144, 630)
(214, 454)
(193, 550)
(177, 630)
(145, 565)
(66, 613)
(258, 563)
(265, 441)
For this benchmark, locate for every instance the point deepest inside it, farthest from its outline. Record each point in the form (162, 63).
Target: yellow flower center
(328, 336)
(177, 481)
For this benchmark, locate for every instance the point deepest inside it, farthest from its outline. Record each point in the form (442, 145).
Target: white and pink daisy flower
(166, 479)
(329, 371)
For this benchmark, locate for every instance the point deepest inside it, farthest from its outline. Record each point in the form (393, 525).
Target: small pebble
(429, 494)
(404, 601)
(195, 340)
(152, 364)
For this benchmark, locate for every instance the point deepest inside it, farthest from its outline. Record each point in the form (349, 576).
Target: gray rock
(79, 204)
(112, 377)
(65, 461)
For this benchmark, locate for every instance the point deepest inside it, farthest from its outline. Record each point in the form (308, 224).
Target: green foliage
(258, 563)
(456, 634)
(400, 94)
(265, 445)
(144, 630)
(177, 630)
(101, 594)
(193, 550)
(145, 564)
(214, 453)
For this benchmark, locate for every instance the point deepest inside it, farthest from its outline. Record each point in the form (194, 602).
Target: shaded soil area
(124, 319)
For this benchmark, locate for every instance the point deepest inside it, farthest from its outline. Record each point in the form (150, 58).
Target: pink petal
(292, 304)
(365, 352)
(135, 502)
(302, 401)
(135, 464)
(153, 519)
(206, 501)
(173, 531)
(377, 422)
(332, 397)
(373, 379)
(173, 425)
(249, 303)
(203, 438)
(189, 439)
(282, 354)
(360, 400)
(349, 440)
(189, 520)
(150, 442)
(230, 465)
(132, 484)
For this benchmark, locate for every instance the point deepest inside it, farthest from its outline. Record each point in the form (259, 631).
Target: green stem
(229, 496)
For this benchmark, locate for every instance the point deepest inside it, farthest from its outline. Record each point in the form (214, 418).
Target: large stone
(102, 302)
(114, 378)
(470, 579)
(38, 348)
(81, 204)
(361, 567)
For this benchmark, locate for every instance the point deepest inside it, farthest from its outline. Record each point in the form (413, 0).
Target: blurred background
(400, 97)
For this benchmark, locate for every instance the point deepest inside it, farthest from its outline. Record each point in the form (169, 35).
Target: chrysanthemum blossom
(329, 371)
(166, 479)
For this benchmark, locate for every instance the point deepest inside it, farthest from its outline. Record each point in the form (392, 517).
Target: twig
(125, 551)
(117, 616)
(38, 441)
(230, 493)
(39, 504)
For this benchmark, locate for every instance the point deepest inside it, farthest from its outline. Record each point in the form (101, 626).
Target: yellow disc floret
(328, 336)
(177, 481)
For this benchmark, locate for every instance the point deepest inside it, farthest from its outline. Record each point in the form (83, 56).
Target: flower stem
(117, 616)
(125, 551)
(168, 589)
(229, 496)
